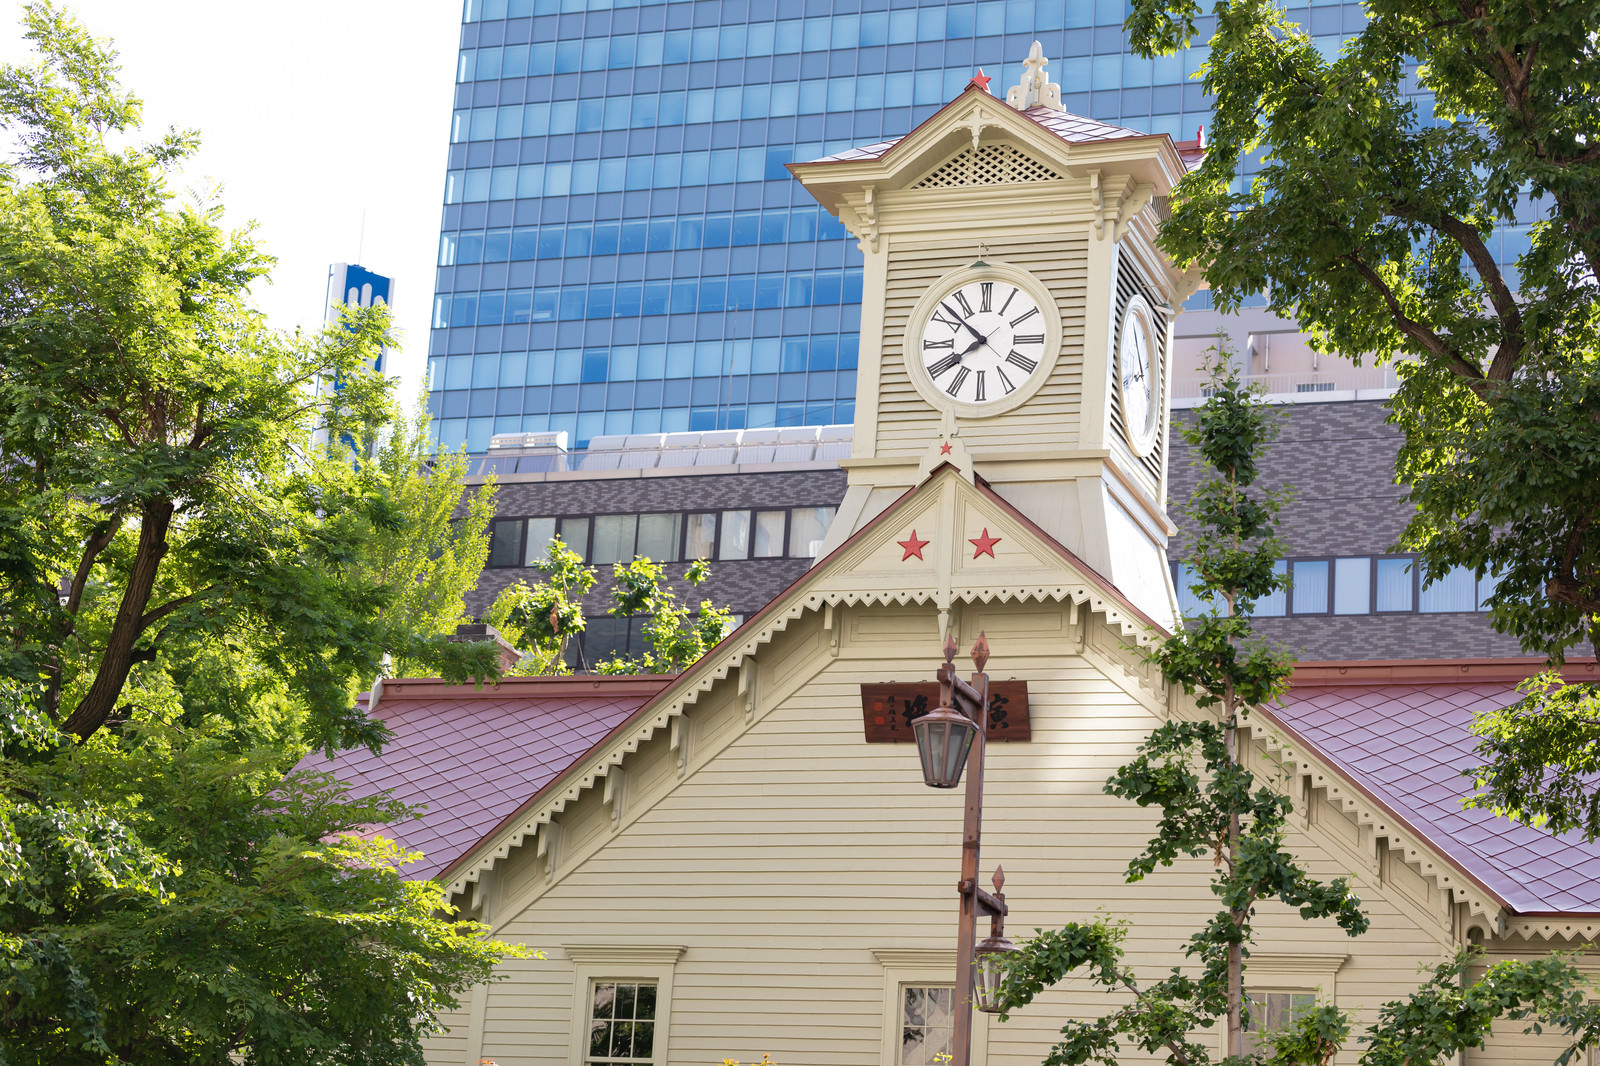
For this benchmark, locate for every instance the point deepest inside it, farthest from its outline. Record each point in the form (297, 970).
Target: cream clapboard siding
(1059, 260)
(790, 849)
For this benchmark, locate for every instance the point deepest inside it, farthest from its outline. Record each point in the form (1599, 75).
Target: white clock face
(982, 341)
(1138, 374)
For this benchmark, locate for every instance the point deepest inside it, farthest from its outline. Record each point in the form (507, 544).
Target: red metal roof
(1074, 129)
(1402, 732)
(473, 756)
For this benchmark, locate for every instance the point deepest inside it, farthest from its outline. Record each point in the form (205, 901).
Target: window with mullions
(622, 1023)
(1271, 1012)
(927, 1021)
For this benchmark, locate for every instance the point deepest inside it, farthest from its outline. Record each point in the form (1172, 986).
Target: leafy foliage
(1194, 774)
(1374, 222)
(1212, 808)
(195, 585)
(676, 635)
(540, 619)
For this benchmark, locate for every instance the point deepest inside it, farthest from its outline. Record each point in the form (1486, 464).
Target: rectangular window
(536, 546)
(926, 1024)
(1269, 1012)
(735, 540)
(1309, 594)
(770, 527)
(505, 542)
(622, 1023)
(1454, 591)
(658, 537)
(700, 536)
(807, 528)
(1395, 584)
(574, 533)
(613, 538)
(1352, 586)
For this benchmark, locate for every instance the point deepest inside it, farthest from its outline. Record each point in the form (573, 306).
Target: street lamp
(950, 738)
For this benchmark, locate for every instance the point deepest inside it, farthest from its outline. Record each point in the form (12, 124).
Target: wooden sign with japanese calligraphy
(889, 709)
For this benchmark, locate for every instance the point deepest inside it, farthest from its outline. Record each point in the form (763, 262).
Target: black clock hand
(964, 325)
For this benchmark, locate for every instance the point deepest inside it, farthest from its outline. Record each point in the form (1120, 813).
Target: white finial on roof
(1035, 89)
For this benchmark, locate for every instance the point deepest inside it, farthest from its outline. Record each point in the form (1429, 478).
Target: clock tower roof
(1071, 141)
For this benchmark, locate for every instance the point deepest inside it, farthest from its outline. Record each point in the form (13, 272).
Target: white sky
(310, 112)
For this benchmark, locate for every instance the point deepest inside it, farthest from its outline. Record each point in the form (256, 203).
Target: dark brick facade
(1338, 458)
(743, 585)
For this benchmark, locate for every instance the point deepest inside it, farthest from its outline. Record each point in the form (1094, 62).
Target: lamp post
(950, 738)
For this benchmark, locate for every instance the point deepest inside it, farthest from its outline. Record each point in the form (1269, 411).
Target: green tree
(429, 560)
(542, 618)
(675, 634)
(1373, 222)
(1192, 771)
(1212, 808)
(193, 592)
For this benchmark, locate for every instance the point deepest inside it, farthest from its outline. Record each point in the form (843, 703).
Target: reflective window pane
(541, 531)
(735, 540)
(769, 533)
(1352, 586)
(574, 533)
(1455, 591)
(613, 538)
(1310, 592)
(807, 528)
(700, 536)
(1395, 581)
(658, 537)
(505, 542)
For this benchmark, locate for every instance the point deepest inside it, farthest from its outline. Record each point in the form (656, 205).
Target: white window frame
(598, 963)
(1308, 971)
(920, 967)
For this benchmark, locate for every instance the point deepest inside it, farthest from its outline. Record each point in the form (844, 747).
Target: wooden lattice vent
(991, 164)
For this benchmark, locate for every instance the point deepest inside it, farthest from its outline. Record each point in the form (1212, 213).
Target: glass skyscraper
(622, 248)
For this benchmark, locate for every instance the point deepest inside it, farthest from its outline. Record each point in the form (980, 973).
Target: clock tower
(1016, 319)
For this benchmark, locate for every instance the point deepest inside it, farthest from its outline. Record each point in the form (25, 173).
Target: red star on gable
(913, 547)
(944, 449)
(981, 80)
(983, 545)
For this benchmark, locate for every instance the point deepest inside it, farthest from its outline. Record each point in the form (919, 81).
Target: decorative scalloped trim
(1434, 867)
(731, 660)
(1551, 929)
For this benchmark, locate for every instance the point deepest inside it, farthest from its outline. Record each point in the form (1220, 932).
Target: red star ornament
(913, 547)
(944, 449)
(981, 80)
(984, 544)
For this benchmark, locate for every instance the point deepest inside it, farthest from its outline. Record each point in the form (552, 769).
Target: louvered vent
(1129, 282)
(991, 164)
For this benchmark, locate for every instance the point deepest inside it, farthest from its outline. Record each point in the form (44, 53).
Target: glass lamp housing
(989, 971)
(944, 736)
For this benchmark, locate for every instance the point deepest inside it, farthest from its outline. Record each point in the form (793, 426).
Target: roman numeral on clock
(1017, 359)
(979, 398)
(957, 381)
(986, 288)
(1030, 338)
(1029, 313)
(961, 298)
(1012, 295)
(951, 343)
(935, 369)
(1005, 381)
(947, 318)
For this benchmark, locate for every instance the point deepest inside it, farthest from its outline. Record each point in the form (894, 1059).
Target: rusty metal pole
(971, 834)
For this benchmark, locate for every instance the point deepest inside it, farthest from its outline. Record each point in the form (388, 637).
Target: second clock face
(982, 341)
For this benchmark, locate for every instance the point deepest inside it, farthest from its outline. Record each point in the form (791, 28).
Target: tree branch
(1417, 331)
(155, 615)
